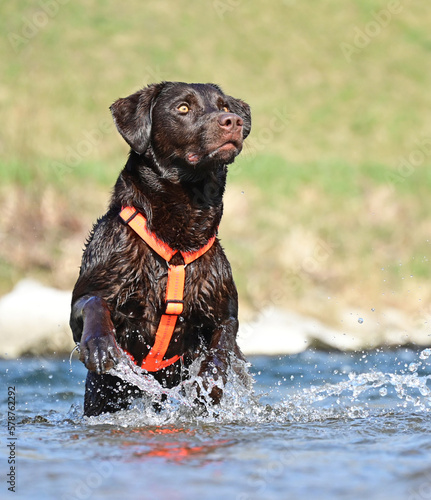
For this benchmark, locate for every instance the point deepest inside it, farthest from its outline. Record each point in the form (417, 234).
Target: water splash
(425, 354)
(359, 395)
(179, 404)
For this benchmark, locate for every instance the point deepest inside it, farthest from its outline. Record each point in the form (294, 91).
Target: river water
(315, 425)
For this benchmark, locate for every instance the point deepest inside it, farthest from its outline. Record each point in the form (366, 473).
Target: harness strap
(174, 290)
(139, 224)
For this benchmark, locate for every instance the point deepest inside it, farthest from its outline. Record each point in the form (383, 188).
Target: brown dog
(161, 226)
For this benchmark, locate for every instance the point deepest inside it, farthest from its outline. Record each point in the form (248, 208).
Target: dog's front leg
(216, 363)
(93, 329)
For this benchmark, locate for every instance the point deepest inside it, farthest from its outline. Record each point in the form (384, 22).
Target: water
(315, 426)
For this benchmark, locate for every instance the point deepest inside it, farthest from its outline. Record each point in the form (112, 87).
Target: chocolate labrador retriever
(154, 279)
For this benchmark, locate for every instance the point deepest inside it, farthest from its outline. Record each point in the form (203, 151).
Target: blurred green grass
(330, 196)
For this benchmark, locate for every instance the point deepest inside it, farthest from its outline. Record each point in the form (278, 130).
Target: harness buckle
(134, 214)
(174, 307)
(169, 265)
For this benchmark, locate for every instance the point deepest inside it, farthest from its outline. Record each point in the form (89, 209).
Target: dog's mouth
(227, 146)
(226, 152)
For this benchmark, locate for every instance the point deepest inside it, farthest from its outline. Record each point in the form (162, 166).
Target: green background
(328, 207)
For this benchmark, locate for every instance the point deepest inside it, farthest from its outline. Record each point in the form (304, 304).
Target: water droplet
(413, 367)
(360, 321)
(425, 354)
(383, 391)
(373, 309)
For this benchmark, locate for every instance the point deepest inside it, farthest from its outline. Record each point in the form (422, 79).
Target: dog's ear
(242, 109)
(132, 116)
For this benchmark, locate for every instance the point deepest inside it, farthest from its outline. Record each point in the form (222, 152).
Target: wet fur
(175, 175)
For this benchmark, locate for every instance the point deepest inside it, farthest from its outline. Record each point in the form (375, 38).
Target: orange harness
(174, 291)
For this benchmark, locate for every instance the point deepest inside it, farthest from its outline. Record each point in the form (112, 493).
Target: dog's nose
(230, 121)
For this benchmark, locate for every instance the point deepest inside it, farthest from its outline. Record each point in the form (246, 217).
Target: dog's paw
(208, 395)
(212, 379)
(99, 353)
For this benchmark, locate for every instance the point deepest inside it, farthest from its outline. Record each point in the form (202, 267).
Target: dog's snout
(230, 121)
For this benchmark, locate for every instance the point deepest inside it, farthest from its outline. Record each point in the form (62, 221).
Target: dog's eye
(183, 108)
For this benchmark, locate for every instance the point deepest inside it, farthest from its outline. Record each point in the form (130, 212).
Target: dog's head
(184, 124)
